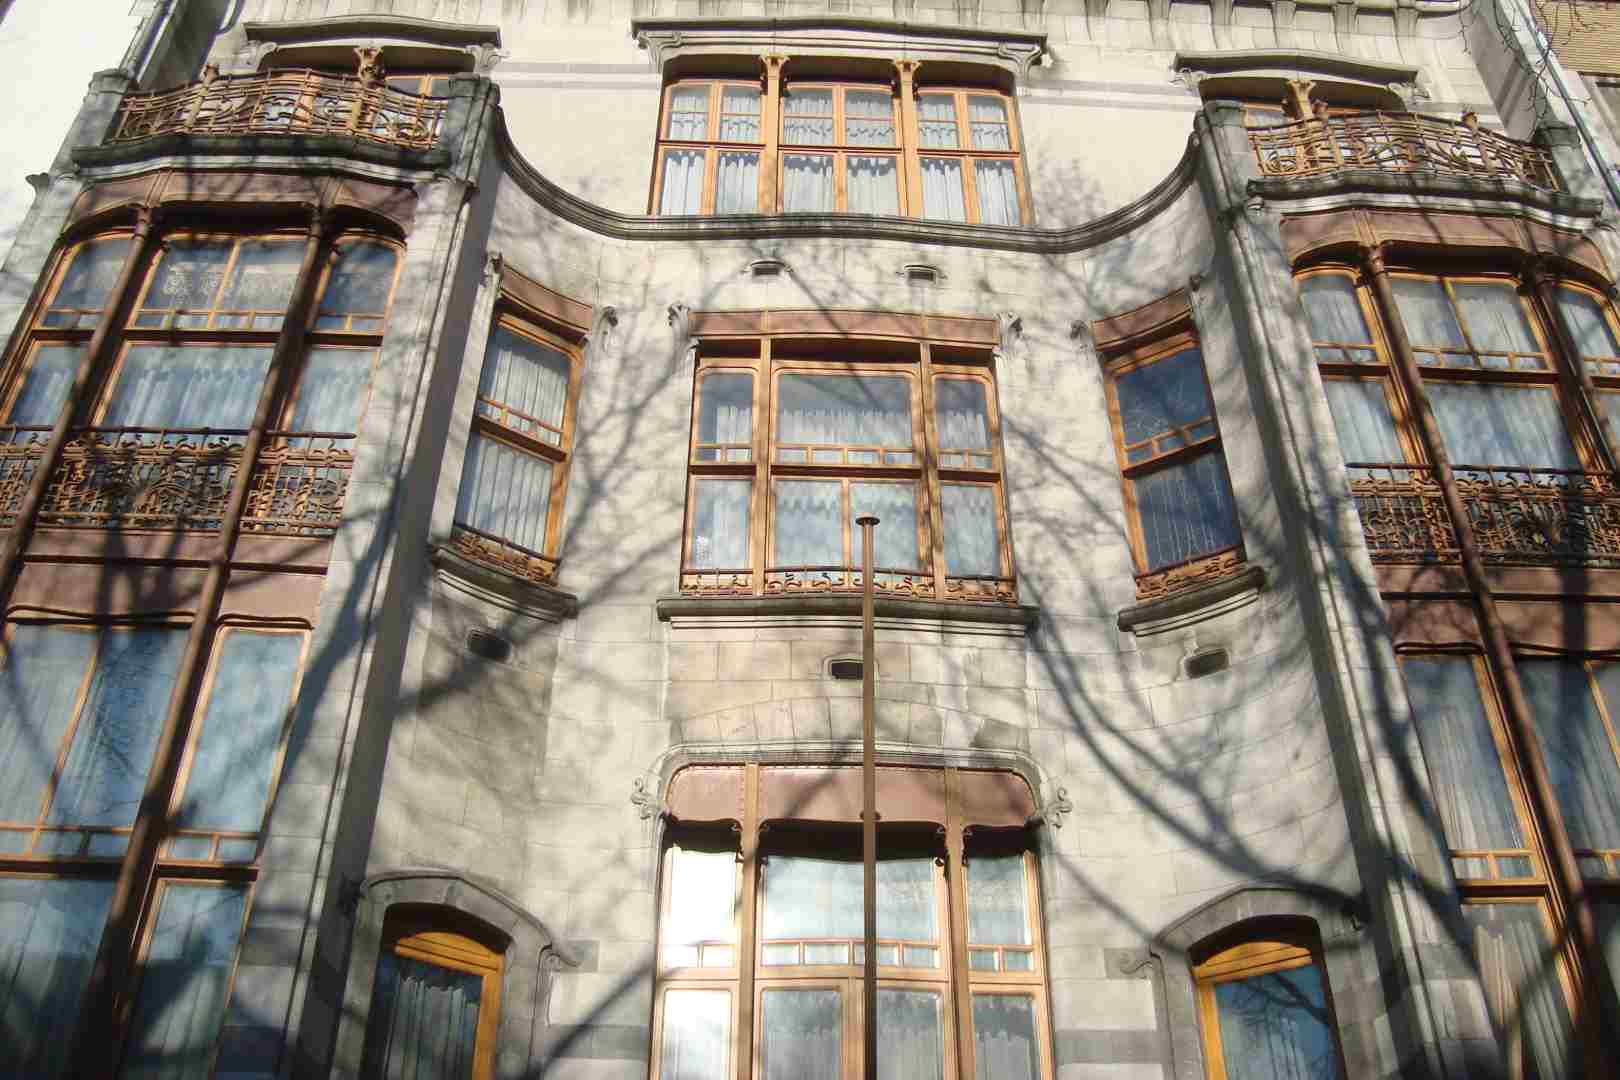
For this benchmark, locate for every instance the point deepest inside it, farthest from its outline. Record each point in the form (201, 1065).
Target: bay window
(788, 450)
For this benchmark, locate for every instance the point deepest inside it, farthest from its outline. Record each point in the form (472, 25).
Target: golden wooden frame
(437, 937)
(1268, 951)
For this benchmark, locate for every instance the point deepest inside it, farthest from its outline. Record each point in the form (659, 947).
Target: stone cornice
(884, 607)
(298, 150)
(1348, 182)
(1296, 62)
(399, 28)
(643, 227)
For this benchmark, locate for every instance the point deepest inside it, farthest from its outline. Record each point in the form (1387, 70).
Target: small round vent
(489, 645)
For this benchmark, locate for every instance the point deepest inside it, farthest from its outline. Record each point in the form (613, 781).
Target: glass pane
(801, 1035)
(962, 414)
(1362, 419)
(807, 183)
(737, 188)
(895, 535)
(1004, 1046)
(1162, 396)
(910, 1035)
(530, 379)
(361, 281)
(1426, 311)
(1185, 510)
(844, 410)
(868, 118)
(50, 929)
(241, 732)
(968, 518)
(682, 189)
(719, 524)
(1491, 424)
(1607, 914)
(423, 1021)
(188, 276)
(998, 193)
(808, 523)
(936, 115)
(739, 114)
(505, 492)
(1465, 769)
(1575, 744)
(1277, 1024)
(332, 390)
(697, 1035)
(689, 112)
(1495, 317)
(1332, 309)
(998, 900)
(982, 959)
(44, 668)
(185, 982)
(90, 277)
(179, 386)
(1589, 329)
(826, 953)
(988, 119)
(702, 896)
(874, 185)
(807, 117)
(943, 198)
(726, 408)
(821, 898)
(45, 388)
(106, 767)
(261, 280)
(1518, 970)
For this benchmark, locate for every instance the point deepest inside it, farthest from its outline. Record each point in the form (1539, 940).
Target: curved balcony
(289, 102)
(1401, 143)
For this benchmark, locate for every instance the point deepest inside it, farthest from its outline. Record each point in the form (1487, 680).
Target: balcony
(835, 580)
(494, 553)
(290, 102)
(1401, 143)
(1517, 517)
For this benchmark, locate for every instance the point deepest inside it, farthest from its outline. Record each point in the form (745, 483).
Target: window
(805, 952)
(791, 447)
(80, 712)
(1266, 1010)
(731, 146)
(435, 1001)
(515, 474)
(1591, 325)
(1178, 497)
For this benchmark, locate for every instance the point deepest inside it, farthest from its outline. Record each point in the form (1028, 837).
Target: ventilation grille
(920, 273)
(845, 668)
(489, 645)
(1207, 662)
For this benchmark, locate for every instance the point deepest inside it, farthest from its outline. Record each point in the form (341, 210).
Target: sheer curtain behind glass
(1576, 747)
(821, 898)
(529, 378)
(423, 1022)
(968, 518)
(1488, 424)
(1362, 420)
(505, 492)
(943, 196)
(332, 390)
(1518, 970)
(44, 668)
(801, 1035)
(910, 1035)
(807, 183)
(681, 191)
(45, 387)
(50, 929)
(1335, 315)
(720, 524)
(187, 386)
(1004, 1046)
(844, 410)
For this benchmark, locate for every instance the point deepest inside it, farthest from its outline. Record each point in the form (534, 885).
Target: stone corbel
(683, 351)
(251, 56)
(494, 268)
(1009, 329)
(1409, 92)
(602, 324)
(1055, 807)
(1024, 56)
(1189, 78)
(644, 797)
(485, 57)
(657, 43)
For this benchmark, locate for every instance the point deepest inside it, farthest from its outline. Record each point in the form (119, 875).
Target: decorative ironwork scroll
(143, 478)
(20, 451)
(1542, 517)
(1401, 143)
(810, 580)
(1188, 575)
(1403, 514)
(299, 484)
(289, 102)
(502, 555)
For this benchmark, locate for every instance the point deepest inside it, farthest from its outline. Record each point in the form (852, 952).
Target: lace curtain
(739, 114)
(1575, 745)
(45, 387)
(90, 277)
(505, 492)
(943, 199)
(682, 189)
(1490, 424)
(528, 377)
(961, 414)
(873, 185)
(1275, 1027)
(998, 901)
(868, 118)
(726, 409)
(1362, 420)
(737, 183)
(689, 112)
(968, 518)
(822, 898)
(697, 1030)
(423, 1023)
(936, 117)
(807, 183)
(844, 410)
(1518, 970)
(50, 929)
(895, 535)
(1186, 511)
(910, 1035)
(998, 191)
(187, 386)
(807, 117)
(801, 1035)
(808, 523)
(1334, 313)
(720, 524)
(1004, 1046)
(332, 390)
(987, 116)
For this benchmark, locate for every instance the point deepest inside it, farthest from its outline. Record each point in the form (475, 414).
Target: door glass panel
(1276, 1024)
(1362, 420)
(1004, 1046)
(910, 1035)
(801, 1035)
(697, 1035)
(1334, 313)
(1590, 330)
(1162, 396)
(719, 524)
(962, 414)
(1485, 424)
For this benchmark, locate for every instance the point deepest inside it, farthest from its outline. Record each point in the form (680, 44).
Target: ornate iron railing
(20, 451)
(1206, 570)
(143, 478)
(290, 102)
(489, 550)
(299, 484)
(1401, 143)
(1403, 514)
(812, 580)
(1542, 517)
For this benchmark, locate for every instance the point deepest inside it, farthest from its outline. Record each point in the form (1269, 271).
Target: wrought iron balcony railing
(490, 550)
(1399, 143)
(830, 580)
(1517, 516)
(300, 482)
(20, 451)
(290, 102)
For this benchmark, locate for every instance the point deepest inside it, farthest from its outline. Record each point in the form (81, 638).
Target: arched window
(435, 1004)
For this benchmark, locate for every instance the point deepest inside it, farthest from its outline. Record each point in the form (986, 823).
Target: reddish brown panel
(110, 590)
(833, 793)
(1304, 234)
(1551, 626)
(996, 799)
(728, 323)
(549, 304)
(255, 594)
(1433, 622)
(1153, 318)
(706, 793)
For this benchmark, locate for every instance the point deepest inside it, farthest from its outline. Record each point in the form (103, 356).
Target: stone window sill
(847, 604)
(544, 601)
(1194, 603)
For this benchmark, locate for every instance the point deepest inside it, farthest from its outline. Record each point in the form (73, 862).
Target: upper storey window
(812, 146)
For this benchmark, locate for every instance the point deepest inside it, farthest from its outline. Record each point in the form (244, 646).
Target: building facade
(434, 433)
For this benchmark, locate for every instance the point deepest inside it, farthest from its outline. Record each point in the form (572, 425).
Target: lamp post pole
(868, 796)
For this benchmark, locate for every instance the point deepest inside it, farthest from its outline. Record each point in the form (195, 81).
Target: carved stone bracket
(494, 267)
(602, 324)
(644, 798)
(485, 57)
(1009, 329)
(1410, 92)
(683, 351)
(1057, 807)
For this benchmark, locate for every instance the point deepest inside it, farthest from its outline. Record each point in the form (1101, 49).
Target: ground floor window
(1265, 1009)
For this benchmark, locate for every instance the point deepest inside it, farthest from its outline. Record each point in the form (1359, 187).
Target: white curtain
(525, 375)
(726, 408)
(739, 114)
(936, 115)
(942, 189)
(962, 415)
(968, 518)
(719, 524)
(1362, 419)
(809, 523)
(910, 1036)
(988, 117)
(737, 183)
(505, 492)
(1334, 312)
(868, 118)
(1491, 424)
(185, 982)
(44, 667)
(332, 390)
(90, 277)
(1185, 510)
(1004, 1038)
(697, 1035)
(998, 192)
(1275, 1027)
(45, 388)
(1427, 314)
(873, 185)
(423, 1023)
(189, 274)
(682, 189)
(822, 898)
(702, 897)
(1594, 340)
(1495, 318)
(807, 183)
(241, 732)
(1519, 972)
(1465, 769)
(801, 1035)
(50, 929)
(1575, 745)
(895, 535)
(261, 280)
(689, 112)
(998, 900)
(105, 771)
(181, 386)
(359, 285)
(844, 410)
(807, 117)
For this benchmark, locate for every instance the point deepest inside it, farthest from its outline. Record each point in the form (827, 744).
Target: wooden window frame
(773, 149)
(445, 939)
(1610, 857)
(762, 576)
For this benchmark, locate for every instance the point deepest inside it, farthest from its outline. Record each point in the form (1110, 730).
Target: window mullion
(910, 138)
(956, 908)
(748, 933)
(770, 119)
(761, 503)
(931, 511)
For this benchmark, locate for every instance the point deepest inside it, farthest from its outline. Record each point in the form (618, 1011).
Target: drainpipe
(146, 38)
